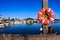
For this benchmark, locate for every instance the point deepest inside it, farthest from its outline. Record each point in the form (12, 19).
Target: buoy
(46, 15)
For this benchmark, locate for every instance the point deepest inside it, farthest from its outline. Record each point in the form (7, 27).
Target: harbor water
(27, 29)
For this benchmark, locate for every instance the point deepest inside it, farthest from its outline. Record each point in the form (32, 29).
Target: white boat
(2, 26)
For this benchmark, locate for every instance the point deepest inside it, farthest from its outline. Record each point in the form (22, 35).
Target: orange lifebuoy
(41, 18)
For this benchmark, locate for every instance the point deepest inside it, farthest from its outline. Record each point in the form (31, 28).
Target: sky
(26, 8)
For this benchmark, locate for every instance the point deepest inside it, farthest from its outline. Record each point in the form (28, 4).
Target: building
(23, 21)
(36, 21)
(29, 20)
(0, 18)
(12, 21)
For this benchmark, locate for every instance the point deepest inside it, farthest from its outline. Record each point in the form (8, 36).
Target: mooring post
(45, 27)
(44, 3)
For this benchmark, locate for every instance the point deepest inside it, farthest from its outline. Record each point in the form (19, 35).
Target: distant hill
(56, 20)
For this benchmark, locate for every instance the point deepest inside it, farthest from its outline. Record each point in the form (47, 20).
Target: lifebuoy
(46, 20)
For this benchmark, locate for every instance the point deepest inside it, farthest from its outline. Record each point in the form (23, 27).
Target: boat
(2, 26)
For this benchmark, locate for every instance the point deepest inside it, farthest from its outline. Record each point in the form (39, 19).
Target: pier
(29, 37)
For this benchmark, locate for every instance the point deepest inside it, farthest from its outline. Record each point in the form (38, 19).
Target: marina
(29, 20)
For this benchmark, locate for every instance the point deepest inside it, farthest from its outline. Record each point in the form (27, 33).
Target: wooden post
(45, 27)
(44, 3)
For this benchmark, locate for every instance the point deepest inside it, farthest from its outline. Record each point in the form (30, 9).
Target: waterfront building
(16, 22)
(20, 21)
(23, 21)
(36, 21)
(29, 20)
(12, 21)
(0, 18)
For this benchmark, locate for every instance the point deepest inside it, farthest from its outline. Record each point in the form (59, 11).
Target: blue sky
(26, 8)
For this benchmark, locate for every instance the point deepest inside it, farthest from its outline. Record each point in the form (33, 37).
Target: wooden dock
(28, 37)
